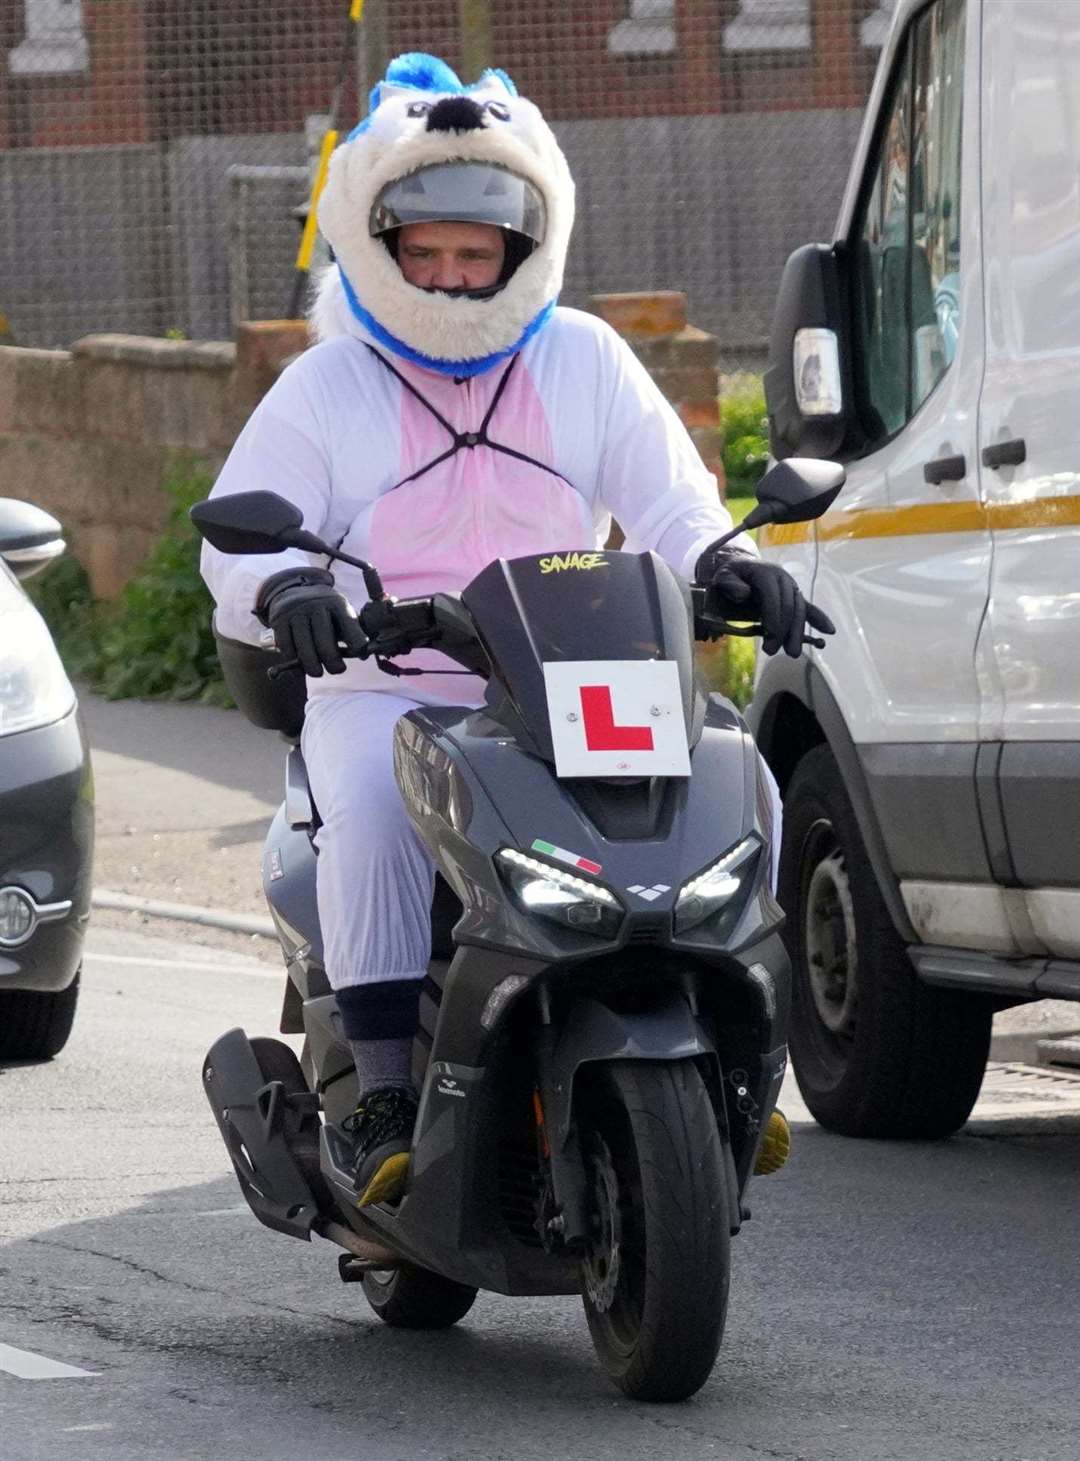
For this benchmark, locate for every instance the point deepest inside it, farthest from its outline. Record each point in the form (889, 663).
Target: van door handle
(945, 469)
(1005, 454)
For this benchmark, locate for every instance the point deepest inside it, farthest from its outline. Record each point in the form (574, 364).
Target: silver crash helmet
(461, 192)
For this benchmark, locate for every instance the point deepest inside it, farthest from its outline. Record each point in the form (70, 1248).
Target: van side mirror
(805, 382)
(29, 538)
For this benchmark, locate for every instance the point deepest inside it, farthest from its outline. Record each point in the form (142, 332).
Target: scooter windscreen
(578, 606)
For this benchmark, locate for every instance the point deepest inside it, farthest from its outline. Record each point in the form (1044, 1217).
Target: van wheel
(35, 1024)
(875, 1051)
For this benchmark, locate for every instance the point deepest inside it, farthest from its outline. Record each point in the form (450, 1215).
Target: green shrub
(155, 643)
(746, 432)
(62, 595)
(728, 667)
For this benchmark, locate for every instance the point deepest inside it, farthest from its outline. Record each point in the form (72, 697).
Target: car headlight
(34, 690)
(550, 893)
(719, 889)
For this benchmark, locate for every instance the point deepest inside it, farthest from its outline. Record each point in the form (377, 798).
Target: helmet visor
(461, 192)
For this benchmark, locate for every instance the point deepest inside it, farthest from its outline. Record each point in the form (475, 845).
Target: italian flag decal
(571, 859)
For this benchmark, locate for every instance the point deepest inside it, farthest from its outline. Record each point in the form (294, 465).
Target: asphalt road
(915, 1301)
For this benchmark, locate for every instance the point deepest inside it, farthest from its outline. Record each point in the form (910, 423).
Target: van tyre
(35, 1024)
(414, 1298)
(876, 1052)
(658, 1200)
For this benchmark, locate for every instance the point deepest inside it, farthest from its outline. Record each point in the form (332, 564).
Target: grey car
(46, 806)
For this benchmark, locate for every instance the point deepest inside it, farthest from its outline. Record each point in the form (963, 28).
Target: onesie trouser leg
(375, 876)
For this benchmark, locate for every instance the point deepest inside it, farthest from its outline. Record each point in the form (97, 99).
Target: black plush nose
(455, 114)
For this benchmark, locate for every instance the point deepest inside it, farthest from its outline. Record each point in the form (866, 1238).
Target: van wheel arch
(794, 711)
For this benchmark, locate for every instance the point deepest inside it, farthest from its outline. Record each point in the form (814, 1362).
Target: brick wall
(682, 360)
(90, 434)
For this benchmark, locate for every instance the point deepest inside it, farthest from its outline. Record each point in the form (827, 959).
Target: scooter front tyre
(657, 1272)
(415, 1298)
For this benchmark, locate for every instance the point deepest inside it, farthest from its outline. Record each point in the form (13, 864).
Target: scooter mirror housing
(252, 522)
(796, 491)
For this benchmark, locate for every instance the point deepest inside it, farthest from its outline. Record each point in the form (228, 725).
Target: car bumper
(46, 848)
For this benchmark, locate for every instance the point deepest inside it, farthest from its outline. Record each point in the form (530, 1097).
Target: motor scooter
(602, 1025)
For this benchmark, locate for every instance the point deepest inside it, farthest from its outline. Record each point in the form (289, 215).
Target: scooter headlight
(721, 888)
(550, 893)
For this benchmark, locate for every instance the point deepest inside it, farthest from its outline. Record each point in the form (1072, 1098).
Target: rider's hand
(309, 616)
(743, 587)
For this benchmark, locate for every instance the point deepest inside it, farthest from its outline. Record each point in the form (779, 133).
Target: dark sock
(382, 1063)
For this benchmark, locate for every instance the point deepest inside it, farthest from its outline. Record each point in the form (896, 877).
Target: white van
(929, 756)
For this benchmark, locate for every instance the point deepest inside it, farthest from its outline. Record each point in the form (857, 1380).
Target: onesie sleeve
(652, 479)
(283, 449)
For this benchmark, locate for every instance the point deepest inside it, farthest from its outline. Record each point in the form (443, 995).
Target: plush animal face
(422, 116)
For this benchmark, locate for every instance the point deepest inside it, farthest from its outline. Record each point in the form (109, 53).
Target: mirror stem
(301, 538)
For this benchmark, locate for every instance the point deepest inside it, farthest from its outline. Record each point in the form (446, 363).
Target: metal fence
(153, 153)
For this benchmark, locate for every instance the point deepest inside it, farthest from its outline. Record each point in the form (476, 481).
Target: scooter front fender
(594, 1032)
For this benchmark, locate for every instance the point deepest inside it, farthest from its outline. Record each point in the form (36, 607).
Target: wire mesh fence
(154, 154)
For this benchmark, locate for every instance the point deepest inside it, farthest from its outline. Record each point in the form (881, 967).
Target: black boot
(382, 1128)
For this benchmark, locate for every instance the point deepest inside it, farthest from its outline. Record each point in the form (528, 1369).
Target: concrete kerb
(184, 913)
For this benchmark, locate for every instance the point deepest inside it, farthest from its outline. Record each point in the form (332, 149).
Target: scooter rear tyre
(415, 1298)
(657, 1323)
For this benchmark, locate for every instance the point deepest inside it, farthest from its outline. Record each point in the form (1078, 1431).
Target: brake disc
(601, 1264)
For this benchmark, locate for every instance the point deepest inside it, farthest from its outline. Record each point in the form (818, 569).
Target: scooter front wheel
(415, 1298)
(656, 1272)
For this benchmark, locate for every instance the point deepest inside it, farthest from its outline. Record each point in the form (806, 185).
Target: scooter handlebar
(711, 626)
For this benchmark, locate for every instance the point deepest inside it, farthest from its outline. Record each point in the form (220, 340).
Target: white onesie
(579, 433)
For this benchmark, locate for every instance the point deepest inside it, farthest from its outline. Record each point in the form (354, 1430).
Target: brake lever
(722, 629)
(287, 667)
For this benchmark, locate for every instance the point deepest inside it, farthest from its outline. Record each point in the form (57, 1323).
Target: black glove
(745, 588)
(309, 616)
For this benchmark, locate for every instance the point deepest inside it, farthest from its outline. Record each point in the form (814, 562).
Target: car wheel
(876, 1052)
(35, 1024)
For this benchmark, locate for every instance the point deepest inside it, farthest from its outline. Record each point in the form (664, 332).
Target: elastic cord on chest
(463, 440)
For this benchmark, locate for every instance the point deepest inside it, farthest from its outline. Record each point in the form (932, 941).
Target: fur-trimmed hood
(365, 287)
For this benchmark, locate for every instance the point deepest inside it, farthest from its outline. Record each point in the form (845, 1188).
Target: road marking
(135, 959)
(26, 1365)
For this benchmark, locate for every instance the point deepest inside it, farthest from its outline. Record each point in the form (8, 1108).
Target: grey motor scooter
(602, 1025)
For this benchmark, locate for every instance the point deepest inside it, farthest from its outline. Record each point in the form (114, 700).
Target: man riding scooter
(450, 415)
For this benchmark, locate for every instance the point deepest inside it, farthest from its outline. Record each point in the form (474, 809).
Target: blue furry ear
(425, 73)
(498, 75)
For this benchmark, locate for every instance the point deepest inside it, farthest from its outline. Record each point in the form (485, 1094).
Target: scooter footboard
(260, 1121)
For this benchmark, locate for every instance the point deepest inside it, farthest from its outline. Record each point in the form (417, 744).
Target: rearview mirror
(29, 538)
(796, 491)
(252, 522)
(806, 392)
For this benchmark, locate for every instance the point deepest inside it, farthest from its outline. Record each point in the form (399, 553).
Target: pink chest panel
(437, 532)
